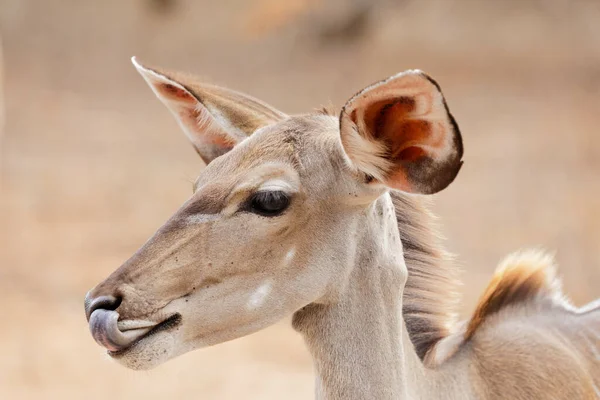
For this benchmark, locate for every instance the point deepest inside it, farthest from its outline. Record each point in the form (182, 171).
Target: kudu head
(271, 224)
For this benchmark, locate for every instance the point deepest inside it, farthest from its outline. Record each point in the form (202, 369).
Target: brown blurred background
(92, 163)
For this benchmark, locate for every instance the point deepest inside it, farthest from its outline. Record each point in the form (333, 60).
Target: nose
(104, 302)
(103, 319)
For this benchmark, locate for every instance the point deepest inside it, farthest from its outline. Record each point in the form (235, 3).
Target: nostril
(110, 303)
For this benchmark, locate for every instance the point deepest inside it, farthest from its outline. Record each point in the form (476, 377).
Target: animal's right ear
(213, 118)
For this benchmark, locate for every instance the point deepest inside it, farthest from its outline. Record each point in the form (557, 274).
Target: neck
(359, 342)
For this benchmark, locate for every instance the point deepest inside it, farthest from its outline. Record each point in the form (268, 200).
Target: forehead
(302, 143)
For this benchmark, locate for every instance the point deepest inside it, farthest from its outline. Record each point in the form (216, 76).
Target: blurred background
(91, 163)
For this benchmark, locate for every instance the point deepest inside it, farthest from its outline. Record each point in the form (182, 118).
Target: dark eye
(269, 204)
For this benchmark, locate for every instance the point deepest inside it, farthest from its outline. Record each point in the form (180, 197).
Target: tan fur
(359, 267)
(522, 277)
(523, 280)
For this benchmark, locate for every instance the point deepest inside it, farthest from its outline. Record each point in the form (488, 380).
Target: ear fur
(214, 119)
(400, 132)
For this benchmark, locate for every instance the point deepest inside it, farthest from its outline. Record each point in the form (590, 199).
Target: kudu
(319, 217)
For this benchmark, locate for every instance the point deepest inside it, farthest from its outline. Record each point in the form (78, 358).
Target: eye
(269, 204)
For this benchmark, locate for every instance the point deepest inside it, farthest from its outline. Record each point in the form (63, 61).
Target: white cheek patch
(259, 296)
(289, 257)
(201, 218)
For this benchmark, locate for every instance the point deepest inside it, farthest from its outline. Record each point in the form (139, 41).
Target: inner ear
(213, 118)
(407, 137)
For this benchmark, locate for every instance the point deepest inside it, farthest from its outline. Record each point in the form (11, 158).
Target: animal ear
(213, 118)
(400, 132)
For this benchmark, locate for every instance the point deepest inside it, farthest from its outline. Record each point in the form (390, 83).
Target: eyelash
(268, 204)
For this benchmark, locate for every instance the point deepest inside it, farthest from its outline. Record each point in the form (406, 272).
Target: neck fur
(360, 343)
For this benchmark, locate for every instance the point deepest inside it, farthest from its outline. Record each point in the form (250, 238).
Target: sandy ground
(92, 164)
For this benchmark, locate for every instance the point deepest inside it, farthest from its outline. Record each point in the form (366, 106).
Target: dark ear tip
(446, 179)
(430, 177)
(458, 142)
(431, 80)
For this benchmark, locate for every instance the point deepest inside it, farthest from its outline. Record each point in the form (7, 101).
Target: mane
(430, 296)
(523, 277)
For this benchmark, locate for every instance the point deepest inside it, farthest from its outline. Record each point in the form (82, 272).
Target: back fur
(521, 278)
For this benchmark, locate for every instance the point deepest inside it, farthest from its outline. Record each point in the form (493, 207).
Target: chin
(167, 343)
(147, 353)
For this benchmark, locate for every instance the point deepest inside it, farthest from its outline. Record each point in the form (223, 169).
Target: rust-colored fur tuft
(522, 277)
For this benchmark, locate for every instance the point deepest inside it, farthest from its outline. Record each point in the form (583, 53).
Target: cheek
(180, 282)
(252, 242)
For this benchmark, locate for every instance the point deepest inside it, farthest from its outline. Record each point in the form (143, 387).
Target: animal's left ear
(400, 132)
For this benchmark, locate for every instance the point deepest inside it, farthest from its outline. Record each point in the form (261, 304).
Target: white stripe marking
(258, 298)
(201, 218)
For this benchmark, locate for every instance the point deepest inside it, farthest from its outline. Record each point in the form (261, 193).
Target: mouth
(168, 324)
(119, 337)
